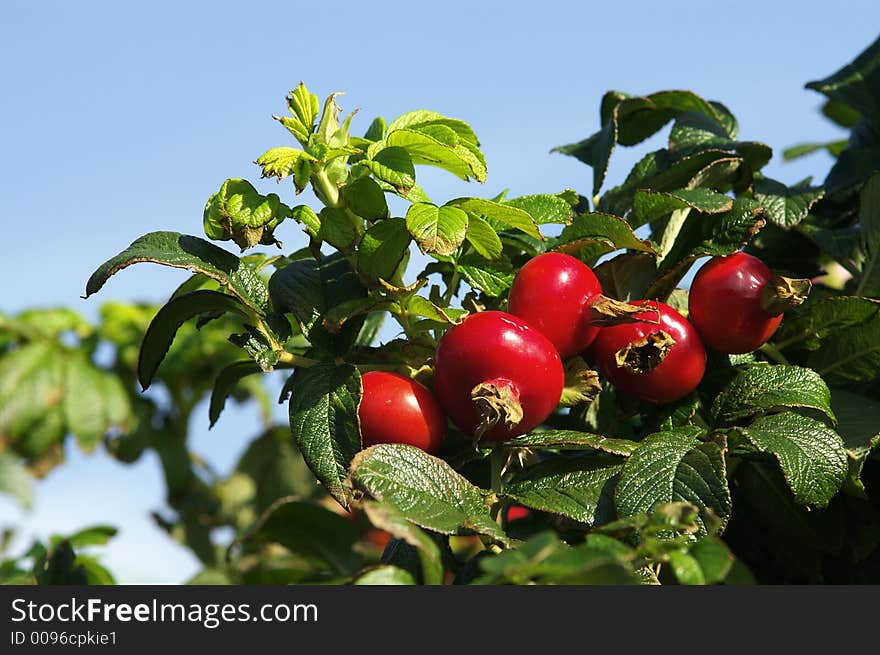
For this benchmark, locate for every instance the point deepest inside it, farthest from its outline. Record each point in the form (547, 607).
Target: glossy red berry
(397, 409)
(552, 293)
(497, 377)
(725, 303)
(659, 362)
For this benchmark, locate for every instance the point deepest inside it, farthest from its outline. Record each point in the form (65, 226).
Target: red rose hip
(397, 409)
(552, 293)
(736, 302)
(659, 358)
(496, 377)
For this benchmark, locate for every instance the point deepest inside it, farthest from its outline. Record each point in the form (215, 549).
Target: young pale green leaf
(324, 424)
(648, 206)
(309, 289)
(94, 401)
(544, 208)
(382, 249)
(240, 213)
(15, 480)
(594, 234)
(438, 147)
(438, 230)
(392, 165)
(856, 84)
(760, 389)
(421, 119)
(281, 162)
(304, 107)
(419, 306)
(571, 440)
(183, 251)
(869, 220)
(365, 198)
(499, 215)
(675, 466)
(164, 326)
(377, 129)
(384, 575)
(786, 206)
(483, 238)
(833, 148)
(811, 455)
(307, 217)
(425, 489)
(859, 427)
(225, 384)
(581, 488)
(385, 517)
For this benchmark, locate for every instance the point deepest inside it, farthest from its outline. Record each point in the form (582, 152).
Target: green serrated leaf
(385, 517)
(382, 249)
(856, 84)
(168, 320)
(759, 389)
(786, 206)
(811, 455)
(183, 251)
(594, 234)
(438, 230)
(581, 488)
(675, 466)
(309, 289)
(483, 238)
(324, 424)
(491, 278)
(859, 427)
(392, 165)
(544, 208)
(425, 489)
(571, 440)
(499, 215)
(225, 384)
(281, 162)
(869, 220)
(648, 206)
(365, 198)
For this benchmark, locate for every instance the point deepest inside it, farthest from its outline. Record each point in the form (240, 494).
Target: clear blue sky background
(121, 118)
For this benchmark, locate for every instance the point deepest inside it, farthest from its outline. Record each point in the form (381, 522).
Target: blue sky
(122, 118)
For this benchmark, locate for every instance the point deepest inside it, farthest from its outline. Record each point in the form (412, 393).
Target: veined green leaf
(425, 489)
(183, 251)
(439, 230)
(324, 424)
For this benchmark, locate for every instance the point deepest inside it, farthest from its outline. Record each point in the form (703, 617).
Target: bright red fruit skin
(497, 347)
(673, 378)
(725, 304)
(552, 293)
(397, 409)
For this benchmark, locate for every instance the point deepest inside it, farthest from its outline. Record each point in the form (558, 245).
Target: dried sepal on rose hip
(736, 302)
(659, 359)
(496, 377)
(561, 297)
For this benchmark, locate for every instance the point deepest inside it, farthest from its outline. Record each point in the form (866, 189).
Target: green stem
(325, 189)
(453, 283)
(296, 360)
(773, 353)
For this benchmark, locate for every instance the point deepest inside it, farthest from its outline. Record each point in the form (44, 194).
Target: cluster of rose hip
(498, 374)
